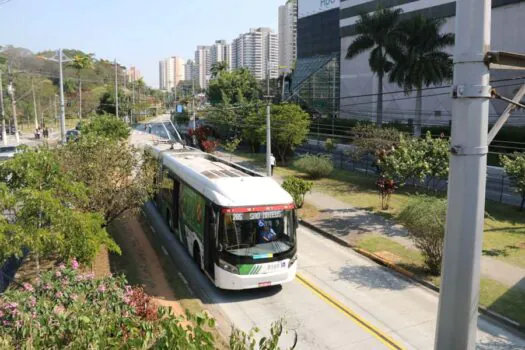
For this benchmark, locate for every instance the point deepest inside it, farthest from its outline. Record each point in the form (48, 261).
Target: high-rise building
(221, 52)
(258, 51)
(202, 65)
(288, 34)
(188, 70)
(162, 75)
(171, 71)
(133, 74)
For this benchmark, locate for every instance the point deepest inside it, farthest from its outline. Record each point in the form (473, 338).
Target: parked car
(72, 135)
(7, 152)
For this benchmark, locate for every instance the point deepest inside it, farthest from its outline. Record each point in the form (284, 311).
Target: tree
(118, 178)
(514, 167)
(79, 63)
(421, 159)
(231, 146)
(254, 129)
(43, 210)
(106, 126)
(420, 61)
(290, 126)
(235, 87)
(297, 188)
(377, 32)
(369, 139)
(217, 68)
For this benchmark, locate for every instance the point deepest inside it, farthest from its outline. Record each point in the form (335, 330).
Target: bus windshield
(257, 234)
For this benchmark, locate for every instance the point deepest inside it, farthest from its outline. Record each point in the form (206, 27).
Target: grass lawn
(509, 302)
(504, 224)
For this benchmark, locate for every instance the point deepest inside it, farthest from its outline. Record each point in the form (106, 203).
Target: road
(340, 300)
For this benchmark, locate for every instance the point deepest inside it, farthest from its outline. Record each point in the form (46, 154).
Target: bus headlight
(228, 267)
(293, 260)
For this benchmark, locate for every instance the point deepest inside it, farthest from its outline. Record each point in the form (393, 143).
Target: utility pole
(268, 124)
(79, 97)
(116, 88)
(55, 108)
(11, 92)
(333, 100)
(459, 296)
(2, 111)
(34, 104)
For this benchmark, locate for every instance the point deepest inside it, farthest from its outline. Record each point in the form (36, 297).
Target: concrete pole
(55, 109)
(458, 303)
(79, 97)
(2, 112)
(268, 125)
(116, 88)
(62, 106)
(34, 104)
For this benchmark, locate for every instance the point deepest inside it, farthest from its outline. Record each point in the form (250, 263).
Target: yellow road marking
(383, 338)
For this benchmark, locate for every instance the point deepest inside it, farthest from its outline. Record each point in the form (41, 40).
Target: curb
(505, 322)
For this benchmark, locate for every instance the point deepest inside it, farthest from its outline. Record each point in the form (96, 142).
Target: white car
(7, 152)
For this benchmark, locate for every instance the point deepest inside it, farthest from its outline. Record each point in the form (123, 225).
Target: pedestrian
(272, 163)
(46, 133)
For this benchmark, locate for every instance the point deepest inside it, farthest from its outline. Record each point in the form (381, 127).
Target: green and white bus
(239, 227)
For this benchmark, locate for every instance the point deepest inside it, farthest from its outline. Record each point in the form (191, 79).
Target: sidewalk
(349, 223)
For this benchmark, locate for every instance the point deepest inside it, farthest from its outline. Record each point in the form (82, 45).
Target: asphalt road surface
(339, 300)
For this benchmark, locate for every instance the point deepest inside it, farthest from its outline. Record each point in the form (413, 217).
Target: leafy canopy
(290, 126)
(235, 87)
(43, 210)
(515, 169)
(118, 178)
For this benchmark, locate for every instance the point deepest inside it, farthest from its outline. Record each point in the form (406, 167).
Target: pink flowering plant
(66, 308)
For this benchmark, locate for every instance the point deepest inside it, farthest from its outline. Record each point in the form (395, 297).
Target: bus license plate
(264, 284)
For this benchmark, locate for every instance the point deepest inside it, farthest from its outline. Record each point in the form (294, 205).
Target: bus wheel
(197, 255)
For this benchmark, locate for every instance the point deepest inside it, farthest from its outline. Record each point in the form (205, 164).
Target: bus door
(209, 241)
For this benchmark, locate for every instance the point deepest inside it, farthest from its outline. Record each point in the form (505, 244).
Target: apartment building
(288, 34)
(258, 51)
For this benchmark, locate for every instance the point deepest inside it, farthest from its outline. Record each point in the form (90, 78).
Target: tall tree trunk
(79, 97)
(419, 112)
(379, 100)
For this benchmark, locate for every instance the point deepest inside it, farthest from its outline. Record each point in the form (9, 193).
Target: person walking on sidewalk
(272, 163)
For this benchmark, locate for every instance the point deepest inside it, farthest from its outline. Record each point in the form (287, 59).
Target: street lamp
(11, 92)
(60, 61)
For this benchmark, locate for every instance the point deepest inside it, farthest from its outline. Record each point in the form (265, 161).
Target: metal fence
(498, 187)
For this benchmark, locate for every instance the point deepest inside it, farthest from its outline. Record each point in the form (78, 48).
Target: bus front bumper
(231, 281)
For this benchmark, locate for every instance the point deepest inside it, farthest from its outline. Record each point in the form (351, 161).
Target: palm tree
(420, 62)
(79, 63)
(377, 32)
(217, 68)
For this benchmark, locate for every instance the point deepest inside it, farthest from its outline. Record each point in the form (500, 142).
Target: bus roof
(224, 183)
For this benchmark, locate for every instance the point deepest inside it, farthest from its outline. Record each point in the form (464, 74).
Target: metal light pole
(2, 111)
(268, 124)
(116, 88)
(133, 99)
(62, 107)
(459, 296)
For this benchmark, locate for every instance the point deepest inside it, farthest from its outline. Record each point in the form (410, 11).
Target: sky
(136, 33)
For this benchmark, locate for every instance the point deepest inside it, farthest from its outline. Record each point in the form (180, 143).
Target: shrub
(297, 188)
(315, 166)
(68, 309)
(425, 218)
(329, 145)
(107, 126)
(209, 146)
(515, 169)
(370, 139)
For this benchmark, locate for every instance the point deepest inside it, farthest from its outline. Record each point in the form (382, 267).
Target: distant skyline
(136, 33)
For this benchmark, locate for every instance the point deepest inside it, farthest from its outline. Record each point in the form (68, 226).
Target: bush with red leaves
(385, 187)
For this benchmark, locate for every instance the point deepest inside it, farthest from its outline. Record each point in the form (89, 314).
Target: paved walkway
(348, 222)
